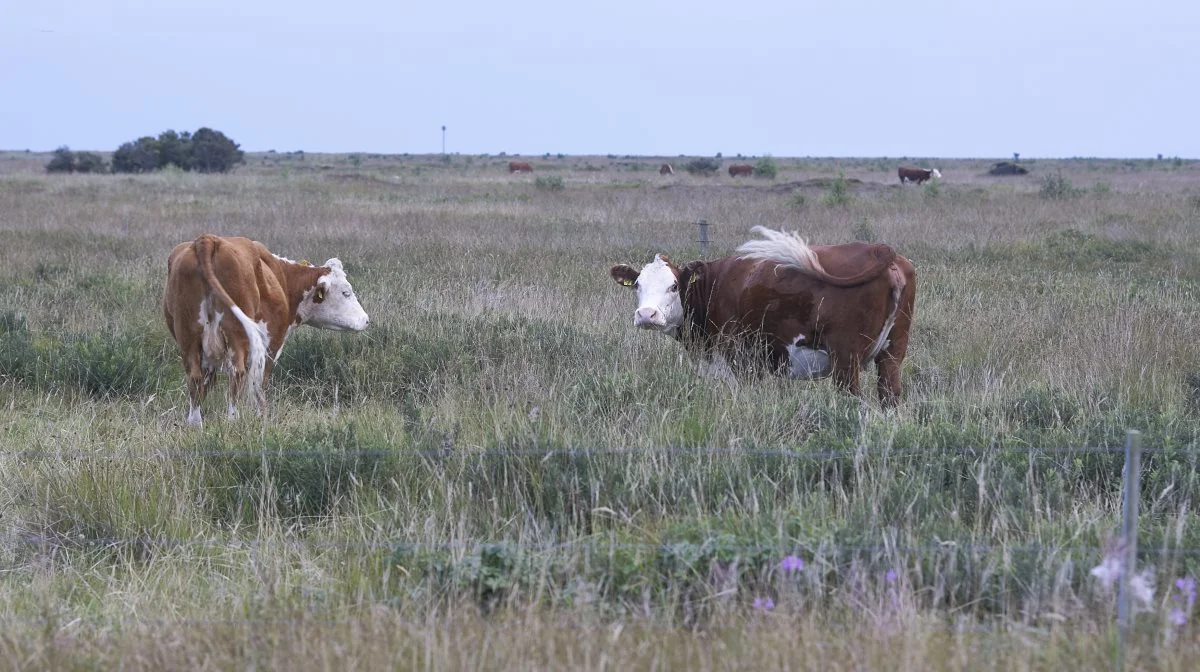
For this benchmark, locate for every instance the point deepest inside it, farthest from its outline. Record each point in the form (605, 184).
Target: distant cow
(739, 169)
(918, 175)
(781, 302)
(666, 169)
(519, 167)
(211, 279)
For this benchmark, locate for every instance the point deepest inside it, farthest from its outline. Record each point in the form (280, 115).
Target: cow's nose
(646, 316)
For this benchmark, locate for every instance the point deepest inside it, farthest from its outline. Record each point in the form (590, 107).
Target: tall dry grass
(409, 498)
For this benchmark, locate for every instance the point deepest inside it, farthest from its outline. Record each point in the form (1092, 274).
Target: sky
(915, 78)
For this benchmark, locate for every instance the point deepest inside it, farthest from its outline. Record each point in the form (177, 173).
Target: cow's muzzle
(649, 318)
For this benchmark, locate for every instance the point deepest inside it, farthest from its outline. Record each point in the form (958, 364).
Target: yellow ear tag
(692, 280)
(303, 262)
(627, 282)
(320, 294)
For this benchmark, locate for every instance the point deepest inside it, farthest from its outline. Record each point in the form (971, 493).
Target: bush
(63, 161)
(139, 156)
(213, 152)
(549, 182)
(66, 161)
(89, 162)
(702, 166)
(207, 151)
(174, 149)
(766, 168)
(1056, 187)
(838, 193)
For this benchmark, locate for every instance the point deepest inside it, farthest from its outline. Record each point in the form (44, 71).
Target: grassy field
(503, 473)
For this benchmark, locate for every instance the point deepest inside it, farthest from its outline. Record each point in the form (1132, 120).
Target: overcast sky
(944, 78)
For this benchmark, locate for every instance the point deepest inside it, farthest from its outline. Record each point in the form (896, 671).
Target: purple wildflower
(792, 563)
(891, 576)
(1178, 617)
(764, 603)
(1187, 590)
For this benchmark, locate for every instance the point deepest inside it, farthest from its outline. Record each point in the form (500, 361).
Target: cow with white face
(231, 304)
(657, 285)
(809, 312)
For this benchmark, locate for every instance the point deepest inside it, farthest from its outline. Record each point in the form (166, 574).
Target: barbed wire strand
(547, 452)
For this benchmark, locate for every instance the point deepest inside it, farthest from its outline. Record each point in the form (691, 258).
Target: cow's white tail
(896, 278)
(256, 365)
(784, 248)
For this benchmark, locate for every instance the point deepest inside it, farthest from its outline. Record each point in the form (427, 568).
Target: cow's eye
(674, 287)
(347, 293)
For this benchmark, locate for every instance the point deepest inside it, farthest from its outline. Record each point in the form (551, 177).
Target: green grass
(502, 472)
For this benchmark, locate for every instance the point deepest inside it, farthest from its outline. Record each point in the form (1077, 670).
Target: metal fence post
(703, 239)
(1133, 487)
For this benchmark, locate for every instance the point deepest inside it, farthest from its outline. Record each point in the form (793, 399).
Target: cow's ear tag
(303, 262)
(692, 280)
(319, 296)
(627, 282)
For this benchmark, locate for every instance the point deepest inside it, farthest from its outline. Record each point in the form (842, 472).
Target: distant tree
(89, 162)
(62, 162)
(174, 149)
(213, 152)
(139, 156)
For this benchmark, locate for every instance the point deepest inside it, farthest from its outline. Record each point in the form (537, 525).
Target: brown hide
(760, 307)
(241, 272)
(739, 169)
(519, 167)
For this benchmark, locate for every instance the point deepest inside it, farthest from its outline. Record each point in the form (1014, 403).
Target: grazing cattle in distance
(519, 167)
(666, 169)
(739, 169)
(918, 175)
(809, 312)
(230, 304)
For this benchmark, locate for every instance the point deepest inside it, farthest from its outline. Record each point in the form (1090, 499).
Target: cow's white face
(657, 285)
(332, 304)
(936, 173)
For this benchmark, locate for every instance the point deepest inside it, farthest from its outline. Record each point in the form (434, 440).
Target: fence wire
(550, 452)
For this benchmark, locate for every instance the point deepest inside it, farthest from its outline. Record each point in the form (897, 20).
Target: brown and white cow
(666, 169)
(809, 311)
(918, 175)
(230, 304)
(739, 169)
(519, 167)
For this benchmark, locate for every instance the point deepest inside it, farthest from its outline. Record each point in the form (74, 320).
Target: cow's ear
(690, 273)
(624, 274)
(319, 295)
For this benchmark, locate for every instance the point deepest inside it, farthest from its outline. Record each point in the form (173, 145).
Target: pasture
(503, 473)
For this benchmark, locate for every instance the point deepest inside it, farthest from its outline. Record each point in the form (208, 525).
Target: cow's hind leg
(889, 379)
(237, 377)
(198, 379)
(889, 361)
